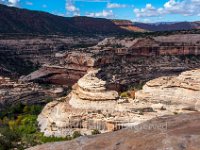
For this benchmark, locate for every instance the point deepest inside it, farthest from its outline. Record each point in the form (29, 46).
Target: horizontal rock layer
(127, 61)
(183, 91)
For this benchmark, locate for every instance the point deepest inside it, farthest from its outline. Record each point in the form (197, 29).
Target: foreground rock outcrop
(92, 105)
(168, 132)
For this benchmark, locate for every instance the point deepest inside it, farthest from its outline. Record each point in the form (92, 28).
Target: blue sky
(135, 10)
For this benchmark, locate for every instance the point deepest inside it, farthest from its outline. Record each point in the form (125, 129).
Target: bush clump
(19, 130)
(95, 132)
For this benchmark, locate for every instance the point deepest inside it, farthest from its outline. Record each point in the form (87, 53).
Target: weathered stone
(125, 61)
(183, 91)
(166, 132)
(162, 96)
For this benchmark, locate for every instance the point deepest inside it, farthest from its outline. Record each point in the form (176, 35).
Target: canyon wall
(22, 54)
(125, 62)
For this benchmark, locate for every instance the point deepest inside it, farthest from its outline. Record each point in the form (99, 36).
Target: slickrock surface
(91, 105)
(182, 91)
(176, 132)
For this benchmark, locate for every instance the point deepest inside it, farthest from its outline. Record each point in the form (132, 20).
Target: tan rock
(182, 91)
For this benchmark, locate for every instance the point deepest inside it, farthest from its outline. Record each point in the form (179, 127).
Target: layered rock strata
(30, 51)
(90, 90)
(125, 61)
(182, 91)
(14, 92)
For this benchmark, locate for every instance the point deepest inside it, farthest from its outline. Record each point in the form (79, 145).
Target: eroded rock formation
(92, 105)
(182, 91)
(14, 92)
(29, 51)
(91, 89)
(125, 61)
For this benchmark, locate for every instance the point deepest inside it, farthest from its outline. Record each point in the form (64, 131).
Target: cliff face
(22, 54)
(128, 25)
(168, 132)
(125, 62)
(14, 92)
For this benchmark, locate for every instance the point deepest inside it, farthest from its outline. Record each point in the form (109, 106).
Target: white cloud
(104, 14)
(13, 2)
(10, 2)
(183, 7)
(71, 8)
(148, 11)
(116, 5)
(29, 3)
(103, 1)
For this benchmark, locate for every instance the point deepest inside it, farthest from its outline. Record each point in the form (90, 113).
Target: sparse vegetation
(95, 132)
(18, 128)
(124, 94)
(76, 134)
(175, 113)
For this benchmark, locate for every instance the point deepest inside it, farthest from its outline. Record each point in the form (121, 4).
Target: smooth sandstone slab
(183, 90)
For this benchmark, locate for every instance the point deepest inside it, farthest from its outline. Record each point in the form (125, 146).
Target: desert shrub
(124, 94)
(35, 109)
(76, 134)
(44, 139)
(7, 137)
(18, 128)
(95, 132)
(9, 134)
(175, 113)
(5, 144)
(27, 125)
(5, 120)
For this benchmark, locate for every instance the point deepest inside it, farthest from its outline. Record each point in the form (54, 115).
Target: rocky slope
(22, 54)
(15, 20)
(14, 92)
(169, 132)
